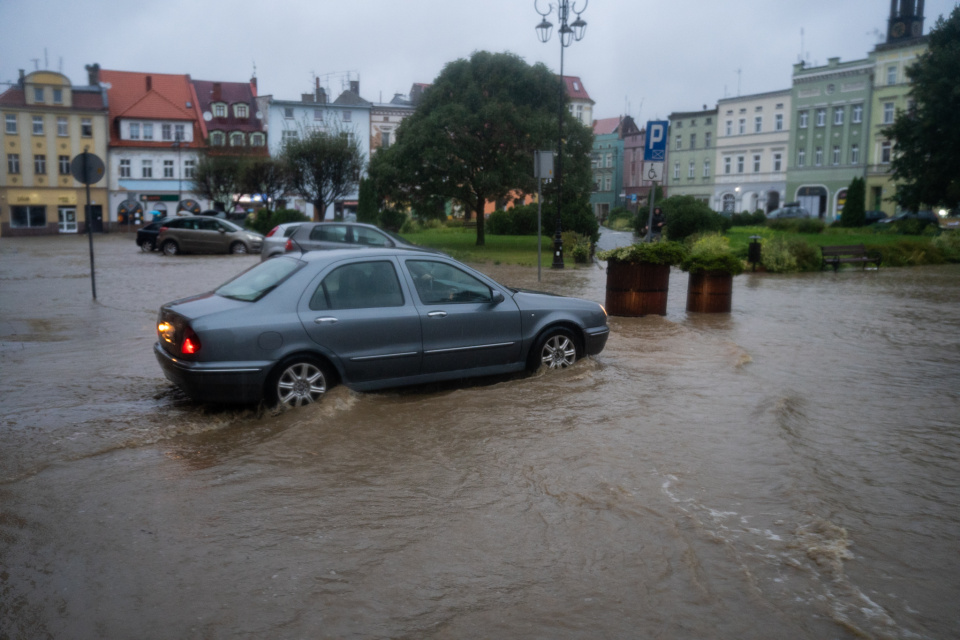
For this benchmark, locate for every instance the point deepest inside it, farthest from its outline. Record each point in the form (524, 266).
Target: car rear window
(259, 280)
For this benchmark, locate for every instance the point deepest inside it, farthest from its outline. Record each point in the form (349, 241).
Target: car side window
(440, 283)
(329, 233)
(361, 285)
(369, 237)
(208, 225)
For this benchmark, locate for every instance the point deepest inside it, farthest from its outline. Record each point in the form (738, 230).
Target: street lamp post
(568, 34)
(176, 145)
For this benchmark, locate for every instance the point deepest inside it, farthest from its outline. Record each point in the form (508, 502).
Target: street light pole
(179, 174)
(568, 34)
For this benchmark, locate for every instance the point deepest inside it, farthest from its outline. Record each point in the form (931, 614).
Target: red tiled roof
(230, 93)
(166, 99)
(575, 90)
(13, 97)
(605, 126)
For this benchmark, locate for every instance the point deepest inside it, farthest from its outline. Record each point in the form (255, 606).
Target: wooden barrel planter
(637, 289)
(710, 292)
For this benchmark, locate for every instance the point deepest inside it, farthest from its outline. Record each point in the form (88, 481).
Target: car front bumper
(233, 383)
(594, 340)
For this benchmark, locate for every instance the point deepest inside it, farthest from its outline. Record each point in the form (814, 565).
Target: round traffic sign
(89, 172)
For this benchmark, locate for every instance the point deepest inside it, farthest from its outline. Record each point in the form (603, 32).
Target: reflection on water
(789, 469)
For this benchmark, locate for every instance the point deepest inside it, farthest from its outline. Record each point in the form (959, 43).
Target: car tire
(238, 248)
(555, 349)
(147, 246)
(171, 248)
(298, 381)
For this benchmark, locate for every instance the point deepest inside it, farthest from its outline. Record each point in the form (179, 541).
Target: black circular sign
(89, 172)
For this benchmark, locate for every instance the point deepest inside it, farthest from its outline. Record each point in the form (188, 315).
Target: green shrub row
(264, 219)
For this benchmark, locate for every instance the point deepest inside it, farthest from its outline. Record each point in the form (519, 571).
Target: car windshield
(258, 281)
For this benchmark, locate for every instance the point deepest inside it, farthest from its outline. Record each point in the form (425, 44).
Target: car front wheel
(238, 247)
(298, 382)
(556, 349)
(146, 246)
(171, 248)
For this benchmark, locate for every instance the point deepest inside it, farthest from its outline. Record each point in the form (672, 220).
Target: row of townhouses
(802, 144)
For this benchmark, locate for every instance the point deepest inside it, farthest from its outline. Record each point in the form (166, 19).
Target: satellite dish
(207, 116)
(259, 115)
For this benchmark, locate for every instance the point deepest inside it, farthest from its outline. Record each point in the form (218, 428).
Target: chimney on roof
(22, 78)
(355, 86)
(149, 83)
(319, 95)
(217, 91)
(93, 74)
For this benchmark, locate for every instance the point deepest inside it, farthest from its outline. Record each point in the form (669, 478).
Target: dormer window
(241, 111)
(134, 130)
(216, 138)
(38, 94)
(576, 86)
(256, 139)
(58, 96)
(236, 139)
(219, 110)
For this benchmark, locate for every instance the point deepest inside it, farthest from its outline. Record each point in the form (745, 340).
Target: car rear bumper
(214, 382)
(594, 340)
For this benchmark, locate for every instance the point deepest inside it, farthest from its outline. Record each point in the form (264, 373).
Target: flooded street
(790, 469)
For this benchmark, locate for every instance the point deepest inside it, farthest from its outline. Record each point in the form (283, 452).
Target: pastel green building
(690, 166)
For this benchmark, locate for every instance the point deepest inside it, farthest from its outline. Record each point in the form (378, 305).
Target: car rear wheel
(147, 246)
(238, 247)
(297, 382)
(556, 349)
(171, 248)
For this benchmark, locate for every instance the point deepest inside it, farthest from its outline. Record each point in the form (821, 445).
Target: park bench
(851, 253)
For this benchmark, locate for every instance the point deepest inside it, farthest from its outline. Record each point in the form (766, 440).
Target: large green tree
(324, 166)
(473, 135)
(268, 177)
(927, 136)
(220, 178)
(853, 210)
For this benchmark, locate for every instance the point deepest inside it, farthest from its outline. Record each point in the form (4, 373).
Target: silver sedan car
(288, 329)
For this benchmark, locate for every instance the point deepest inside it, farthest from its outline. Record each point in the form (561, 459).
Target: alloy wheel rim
(559, 352)
(301, 384)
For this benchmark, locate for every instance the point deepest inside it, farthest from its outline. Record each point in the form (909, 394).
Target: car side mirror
(497, 298)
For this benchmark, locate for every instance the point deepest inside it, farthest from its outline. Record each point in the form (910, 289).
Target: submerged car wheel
(556, 349)
(146, 246)
(171, 248)
(238, 247)
(298, 382)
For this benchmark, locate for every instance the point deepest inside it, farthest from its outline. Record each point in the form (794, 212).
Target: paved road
(610, 239)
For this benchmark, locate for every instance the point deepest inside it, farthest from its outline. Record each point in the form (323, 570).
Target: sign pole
(653, 196)
(88, 215)
(88, 168)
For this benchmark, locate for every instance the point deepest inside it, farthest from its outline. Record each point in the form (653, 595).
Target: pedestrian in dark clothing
(657, 222)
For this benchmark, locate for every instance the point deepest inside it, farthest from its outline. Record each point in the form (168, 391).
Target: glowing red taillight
(273, 231)
(289, 245)
(191, 342)
(162, 229)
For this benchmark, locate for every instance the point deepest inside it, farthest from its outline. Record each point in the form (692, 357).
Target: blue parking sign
(655, 148)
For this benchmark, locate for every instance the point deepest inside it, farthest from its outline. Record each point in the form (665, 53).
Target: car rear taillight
(162, 229)
(191, 342)
(289, 245)
(273, 231)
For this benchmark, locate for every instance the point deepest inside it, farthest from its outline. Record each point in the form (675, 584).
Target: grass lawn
(461, 243)
(740, 236)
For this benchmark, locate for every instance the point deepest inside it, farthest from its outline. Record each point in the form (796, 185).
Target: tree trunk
(319, 210)
(481, 235)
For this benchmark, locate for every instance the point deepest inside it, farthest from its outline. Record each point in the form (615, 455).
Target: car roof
(364, 252)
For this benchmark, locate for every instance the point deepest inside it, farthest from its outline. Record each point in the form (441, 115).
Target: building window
(318, 115)
(778, 122)
(758, 124)
(58, 96)
(821, 117)
(855, 154)
(609, 159)
(40, 164)
(385, 139)
(580, 112)
(347, 116)
(729, 128)
(38, 125)
(38, 94)
(742, 126)
(11, 119)
(838, 116)
(147, 131)
(692, 169)
(885, 152)
(146, 169)
(739, 164)
(706, 168)
(679, 143)
(168, 168)
(802, 119)
(236, 139)
(726, 165)
(836, 154)
(216, 138)
(86, 127)
(729, 202)
(288, 113)
(125, 168)
(693, 123)
(134, 131)
(166, 132)
(62, 127)
(28, 217)
(756, 163)
(892, 74)
(818, 157)
(706, 139)
(241, 111)
(679, 124)
(857, 113)
(777, 162)
(801, 158)
(708, 121)
(64, 162)
(693, 141)
(189, 166)
(676, 170)
(219, 110)
(13, 163)
(256, 139)
(288, 136)
(887, 113)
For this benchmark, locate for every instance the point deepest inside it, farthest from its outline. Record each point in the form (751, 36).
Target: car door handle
(326, 320)
(437, 314)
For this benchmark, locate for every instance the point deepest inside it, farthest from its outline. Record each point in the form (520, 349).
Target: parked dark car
(873, 216)
(289, 328)
(791, 210)
(147, 235)
(926, 216)
(201, 234)
(313, 236)
(275, 242)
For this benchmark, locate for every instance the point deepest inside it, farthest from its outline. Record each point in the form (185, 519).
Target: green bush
(392, 219)
(909, 253)
(664, 252)
(687, 216)
(712, 253)
(948, 244)
(264, 220)
(807, 257)
(776, 257)
(746, 219)
(810, 225)
(577, 246)
(518, 221)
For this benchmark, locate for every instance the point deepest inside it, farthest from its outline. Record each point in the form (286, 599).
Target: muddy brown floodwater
(786, 470)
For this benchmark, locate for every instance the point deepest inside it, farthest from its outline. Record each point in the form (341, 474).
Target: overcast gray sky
(642, 57)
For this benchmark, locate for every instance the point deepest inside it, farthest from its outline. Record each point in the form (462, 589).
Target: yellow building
(46, 124)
